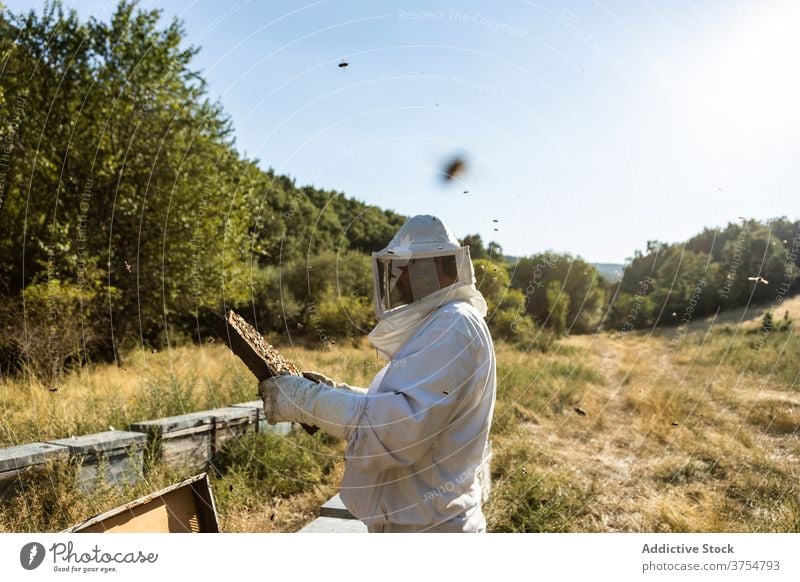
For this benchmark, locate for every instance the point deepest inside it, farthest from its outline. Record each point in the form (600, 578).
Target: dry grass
(152, 385)
(699, 432)
(261, 482)
(50, 502)
(683, 433)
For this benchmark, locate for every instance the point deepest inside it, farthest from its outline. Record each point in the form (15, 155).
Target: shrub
(342, 316)
(49, 329)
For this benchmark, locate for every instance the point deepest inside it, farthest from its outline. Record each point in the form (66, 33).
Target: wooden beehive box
(186, 507)
(281, 428)
(114, 456)
(16, 462)
(232, 422)
(181, 441)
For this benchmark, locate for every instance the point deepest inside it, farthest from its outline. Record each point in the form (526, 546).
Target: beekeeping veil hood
(422, 268)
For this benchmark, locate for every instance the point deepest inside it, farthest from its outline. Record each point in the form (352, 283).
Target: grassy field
(684, 429)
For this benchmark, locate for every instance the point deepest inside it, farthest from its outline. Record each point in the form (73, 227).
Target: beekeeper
(417, 436)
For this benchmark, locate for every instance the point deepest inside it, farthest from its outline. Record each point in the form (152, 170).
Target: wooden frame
(186, 507)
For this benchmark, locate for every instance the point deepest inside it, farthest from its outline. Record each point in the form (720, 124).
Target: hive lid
(21, 456)
(102, 441)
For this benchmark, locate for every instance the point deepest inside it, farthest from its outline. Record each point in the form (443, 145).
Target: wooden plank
(334, 525)
(171, 424)
(185, 507)
(191, 450)
(114, 457)
(334, 507)
(233, 415)
(113, 468)
(231, 423)
(183, 441)
(21, 456)
(262, 426)
(92, 444)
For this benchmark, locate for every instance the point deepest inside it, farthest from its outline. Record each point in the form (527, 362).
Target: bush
(519, 330)
(343, 316)
(49, 330)
(558, 301)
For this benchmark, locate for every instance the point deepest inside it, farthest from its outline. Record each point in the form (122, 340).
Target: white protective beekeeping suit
(418, 434)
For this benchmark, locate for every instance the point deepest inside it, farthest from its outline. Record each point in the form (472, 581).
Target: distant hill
(611, 272)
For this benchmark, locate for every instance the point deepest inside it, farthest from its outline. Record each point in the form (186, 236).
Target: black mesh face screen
(403, 281)
(448, 267)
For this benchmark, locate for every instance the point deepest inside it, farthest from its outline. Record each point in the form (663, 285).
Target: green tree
(477, 250)
(558, 302)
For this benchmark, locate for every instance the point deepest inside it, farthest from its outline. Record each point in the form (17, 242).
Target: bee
(758, 279)
(454, 168)
(343, 64)
(128, 266)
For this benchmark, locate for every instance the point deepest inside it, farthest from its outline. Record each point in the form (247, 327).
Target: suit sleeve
(419, 396)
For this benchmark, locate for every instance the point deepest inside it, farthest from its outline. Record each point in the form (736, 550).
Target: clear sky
(588, 127)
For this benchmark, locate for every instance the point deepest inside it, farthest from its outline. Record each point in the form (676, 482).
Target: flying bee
(455, 167)
(343, 64)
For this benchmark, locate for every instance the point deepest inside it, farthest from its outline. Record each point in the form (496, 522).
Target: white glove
(323, 379)
(294, 398)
